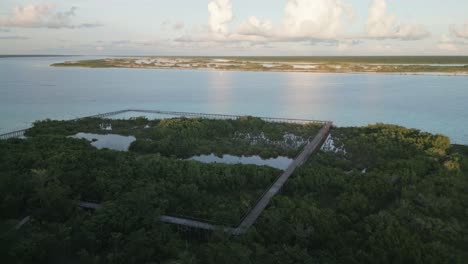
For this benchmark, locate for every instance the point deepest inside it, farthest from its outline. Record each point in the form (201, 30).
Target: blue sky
(234, 27)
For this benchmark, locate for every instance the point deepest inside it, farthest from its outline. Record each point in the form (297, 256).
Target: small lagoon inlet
(110, 141)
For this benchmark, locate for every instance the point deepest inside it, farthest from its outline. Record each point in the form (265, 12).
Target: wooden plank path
(252, 216)
(223, 116)
(22, 222)
(89, 205)
(13, 134)
(262, 203)
(315, 144)
(20, 133)
(188, 223)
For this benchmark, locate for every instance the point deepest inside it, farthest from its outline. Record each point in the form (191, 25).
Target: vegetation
(214, 192)
(409, 64)
(361, 59)
(385, 194)
(392, 196)
(184, 138)
(57, 172)
(87, 63)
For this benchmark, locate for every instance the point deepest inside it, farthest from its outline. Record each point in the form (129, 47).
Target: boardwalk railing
(13, 134)
(109, 114)
(20, 133)
(224, 117)
(251, 217)
(314, 145)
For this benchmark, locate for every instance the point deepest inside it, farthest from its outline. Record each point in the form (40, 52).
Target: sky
(234, 27)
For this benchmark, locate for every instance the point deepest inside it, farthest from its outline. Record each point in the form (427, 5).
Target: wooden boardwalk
(23, 222)
(252, 216)
(13, 134)
(88, 205)
(314, 145)
(20, 133)
(224, 117)
(193, 224)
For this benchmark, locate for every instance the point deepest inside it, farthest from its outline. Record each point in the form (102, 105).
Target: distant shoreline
(36, 56)
(442, 74)
(241, 64)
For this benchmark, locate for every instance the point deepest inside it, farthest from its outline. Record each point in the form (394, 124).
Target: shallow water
(31, 90)
(110, 141)
(280, 162)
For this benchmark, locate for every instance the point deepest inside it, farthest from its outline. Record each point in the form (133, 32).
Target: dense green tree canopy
(384, 194)
(186, 137)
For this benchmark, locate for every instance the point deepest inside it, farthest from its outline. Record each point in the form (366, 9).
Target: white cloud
(460, 32)
(313, 20)
(255, 27)
(381, 25)
(309, 21)
(42, 16)
(448, 43)
(220, 15)
(305, 22)
(346, 44)
(447, 46)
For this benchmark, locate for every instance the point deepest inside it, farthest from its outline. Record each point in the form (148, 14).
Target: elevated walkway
(252, 216)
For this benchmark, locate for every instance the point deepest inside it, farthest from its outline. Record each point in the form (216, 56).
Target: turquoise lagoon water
(31, 90)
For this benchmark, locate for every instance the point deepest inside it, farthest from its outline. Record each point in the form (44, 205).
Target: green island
(374, 194)
(398, 65)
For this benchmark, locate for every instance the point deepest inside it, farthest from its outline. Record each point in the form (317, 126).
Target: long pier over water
(251, 217)
(20, 133)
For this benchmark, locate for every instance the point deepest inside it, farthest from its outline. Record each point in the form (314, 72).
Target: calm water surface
(110, 141)
(31, 90)
(281, 163)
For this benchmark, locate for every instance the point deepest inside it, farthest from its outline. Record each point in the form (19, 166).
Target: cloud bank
(42, 16)
(312, 20)
(454, 42)
(303, 21)
(381, 25)
(460, 32)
